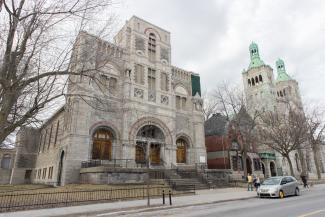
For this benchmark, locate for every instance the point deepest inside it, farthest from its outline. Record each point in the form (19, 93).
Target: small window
(139, 74)
(44, 173)
(249, 82)
(284, 92)
(256, 80)
(152, 47)
(6, 161)
(260, 78)
(151, 79)
(253, 82)
(164, 81)
(281, 94)
(112, 85)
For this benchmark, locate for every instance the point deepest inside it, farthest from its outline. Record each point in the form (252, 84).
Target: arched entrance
(181, 151)
(272, 169)
(59, 180)
(152, 138)
(102, 144)
(249, 165)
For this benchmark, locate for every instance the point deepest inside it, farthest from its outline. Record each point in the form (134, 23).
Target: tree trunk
(290, 164)
(317, 160)
(302, 161)
(244, 162)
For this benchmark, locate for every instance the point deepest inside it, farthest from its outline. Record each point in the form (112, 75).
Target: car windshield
(272, 181)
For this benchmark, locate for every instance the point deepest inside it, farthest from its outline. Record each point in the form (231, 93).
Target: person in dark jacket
(304, 180)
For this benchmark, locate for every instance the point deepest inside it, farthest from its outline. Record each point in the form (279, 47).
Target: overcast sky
(211, 37)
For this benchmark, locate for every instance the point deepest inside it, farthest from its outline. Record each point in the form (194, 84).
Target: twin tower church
(131, 108)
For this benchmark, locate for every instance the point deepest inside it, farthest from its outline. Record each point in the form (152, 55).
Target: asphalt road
(309, 203)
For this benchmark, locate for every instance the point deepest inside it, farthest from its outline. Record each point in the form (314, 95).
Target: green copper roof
(255, 57)
(282, 74)
(196, 86)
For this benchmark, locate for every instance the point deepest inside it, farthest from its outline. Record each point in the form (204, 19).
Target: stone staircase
(184, 180)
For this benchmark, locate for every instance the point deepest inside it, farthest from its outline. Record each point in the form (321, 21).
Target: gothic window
(281, 94)
(184, 103)
(151, 79)
(249, 82)
(164, 81)
(253, 82)
(260, 78)
(5, 162)
(112, 85)
(152, 47)
(256, 80)
(139, 74)
(178, 102)
(103, 82)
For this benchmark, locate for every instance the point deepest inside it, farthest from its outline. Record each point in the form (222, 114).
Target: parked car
(279, 186)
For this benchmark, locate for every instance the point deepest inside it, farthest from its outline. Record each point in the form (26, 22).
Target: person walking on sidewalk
(304, 180)
(249, 182)
(257, 183)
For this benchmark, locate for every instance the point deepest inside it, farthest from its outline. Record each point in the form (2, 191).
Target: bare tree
(283, 132)
(231, 103)
(209, 105)
(316, 128)
(35, 50)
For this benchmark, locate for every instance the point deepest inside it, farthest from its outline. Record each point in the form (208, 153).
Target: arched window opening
(102, 144)
(253, 82)
(5, 162)
(152, 47)
(256, 80)
(181, 151)
(260, 78)
(249, 82)
(281, 94)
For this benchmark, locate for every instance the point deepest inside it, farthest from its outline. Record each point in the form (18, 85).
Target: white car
(279, 186)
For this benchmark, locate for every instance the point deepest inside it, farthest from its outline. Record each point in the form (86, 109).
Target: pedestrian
(249, 182)
(257, 183)
(304, 180)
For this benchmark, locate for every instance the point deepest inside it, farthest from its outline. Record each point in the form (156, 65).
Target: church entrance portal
(152, 137)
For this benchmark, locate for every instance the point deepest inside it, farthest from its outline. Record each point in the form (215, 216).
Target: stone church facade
(130, 106)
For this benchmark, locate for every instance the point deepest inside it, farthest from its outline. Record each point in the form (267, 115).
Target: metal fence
(23, 201)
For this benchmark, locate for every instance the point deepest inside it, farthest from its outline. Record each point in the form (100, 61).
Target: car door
(291, 185)
(284, 186)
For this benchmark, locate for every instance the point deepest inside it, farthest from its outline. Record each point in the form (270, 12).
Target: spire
(255, 56)
(282, 74)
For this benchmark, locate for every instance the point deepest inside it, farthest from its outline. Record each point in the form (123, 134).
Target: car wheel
(297, 192)
(281, 194)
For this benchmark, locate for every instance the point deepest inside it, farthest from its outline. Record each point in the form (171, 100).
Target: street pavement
(311, 203)
(227, 202)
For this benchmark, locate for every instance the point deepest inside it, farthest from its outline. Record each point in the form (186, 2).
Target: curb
(138, 209)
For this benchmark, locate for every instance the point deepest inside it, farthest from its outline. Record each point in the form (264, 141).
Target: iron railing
(21, 201)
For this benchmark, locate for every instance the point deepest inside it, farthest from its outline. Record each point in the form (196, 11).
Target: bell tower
(258, 83)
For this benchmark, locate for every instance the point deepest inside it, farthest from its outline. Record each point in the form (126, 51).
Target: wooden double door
(155, 153)
(102, 150)
(181, 151)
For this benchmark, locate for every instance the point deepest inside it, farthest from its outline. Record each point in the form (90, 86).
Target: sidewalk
(201, 197)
